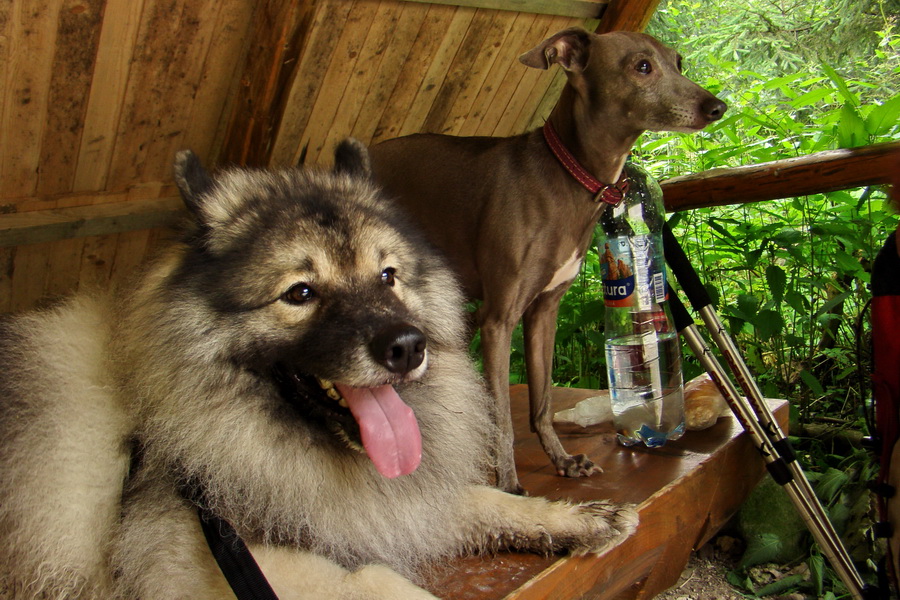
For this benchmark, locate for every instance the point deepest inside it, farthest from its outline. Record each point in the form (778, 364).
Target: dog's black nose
(400, 348)
(713, 108)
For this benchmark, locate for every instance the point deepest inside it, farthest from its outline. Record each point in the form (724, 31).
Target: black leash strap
(237, 564)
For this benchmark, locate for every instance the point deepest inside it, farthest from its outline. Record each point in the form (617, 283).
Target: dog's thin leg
(496, 337)
(539, 323)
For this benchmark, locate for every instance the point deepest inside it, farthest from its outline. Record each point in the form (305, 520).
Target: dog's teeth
(325, 384)
(343, 403)
(333, 394)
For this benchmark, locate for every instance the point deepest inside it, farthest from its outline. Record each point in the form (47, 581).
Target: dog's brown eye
(644, 67)
(298, 294)
(387, 276)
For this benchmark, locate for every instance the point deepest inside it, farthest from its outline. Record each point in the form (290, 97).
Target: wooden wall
(96, 96)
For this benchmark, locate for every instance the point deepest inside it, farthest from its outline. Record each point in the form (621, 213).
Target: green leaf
(768, 324)
(812, 98)
(748, 304)
(884, 117)
(593, 312)
(851, 128)
(797, 301)
(817, 573)
(788, 237)
(830, 485)
(840, 84)
(832, 303)
(721, 230)
(741, 582)
(782, 585)
(713, 292)
(846, 262)
(812, 383)
(776, 278)
(764, 548)
(753, 257)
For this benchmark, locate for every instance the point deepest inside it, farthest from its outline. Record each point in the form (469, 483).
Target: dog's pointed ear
(192, 179)
(351, 157)
(569, 49)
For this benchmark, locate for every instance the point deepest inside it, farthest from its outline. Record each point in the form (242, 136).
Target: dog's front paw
(498, 520)
(577, 465)
(612, 523)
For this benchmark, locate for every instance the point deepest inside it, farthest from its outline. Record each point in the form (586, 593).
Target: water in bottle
(643, 353)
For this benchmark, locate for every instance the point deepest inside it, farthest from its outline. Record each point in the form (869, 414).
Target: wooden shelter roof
(98, 95)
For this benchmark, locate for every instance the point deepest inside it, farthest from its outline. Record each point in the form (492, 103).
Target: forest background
(789, 277)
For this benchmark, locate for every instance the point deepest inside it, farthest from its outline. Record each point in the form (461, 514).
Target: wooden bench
(685, 492)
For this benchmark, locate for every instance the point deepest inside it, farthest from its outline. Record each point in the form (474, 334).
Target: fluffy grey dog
(295, 365)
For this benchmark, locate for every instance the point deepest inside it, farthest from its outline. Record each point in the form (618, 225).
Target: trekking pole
(757, 418)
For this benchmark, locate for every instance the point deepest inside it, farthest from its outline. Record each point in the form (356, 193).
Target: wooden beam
(813, 174)
(627, 15)
(584, 9)
(34, 227)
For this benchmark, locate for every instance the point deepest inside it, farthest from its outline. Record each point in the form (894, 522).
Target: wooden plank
(183, 74)
(131, 252)
(97, 260)
(63, 268)
(505, 58)
(77, 36)
(441, 60)
(168, 61)
(812, 174)
(531, 89)
(409, 81)
(7, 267)
(508, 87)
(544, 105)
(104, 106)
(373, 27)
(627, 15)
(29, 273)
(276, 38)
(7, 29)
(392, 66)
(37, 227)
(684, 492)
(31, 31)
(584, 9)
(206, 116)
(307, 80)
(155, 205)
(467, 70)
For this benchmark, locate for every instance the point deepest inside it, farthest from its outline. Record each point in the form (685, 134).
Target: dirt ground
(704, 578)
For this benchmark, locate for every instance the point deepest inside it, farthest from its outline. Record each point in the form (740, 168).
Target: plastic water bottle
(643, 353)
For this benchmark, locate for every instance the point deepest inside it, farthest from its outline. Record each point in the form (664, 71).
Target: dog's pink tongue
(388, 427)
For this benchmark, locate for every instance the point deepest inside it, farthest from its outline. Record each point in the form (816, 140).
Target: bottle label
(630, 275)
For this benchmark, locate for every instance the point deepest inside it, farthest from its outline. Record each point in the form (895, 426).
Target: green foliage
(789, 277)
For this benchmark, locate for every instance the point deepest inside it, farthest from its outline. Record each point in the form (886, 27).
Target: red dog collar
(611, 193)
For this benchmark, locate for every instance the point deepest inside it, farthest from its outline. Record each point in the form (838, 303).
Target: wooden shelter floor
(685, 492)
